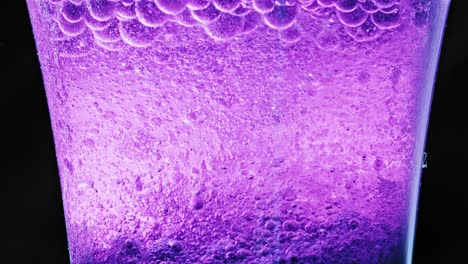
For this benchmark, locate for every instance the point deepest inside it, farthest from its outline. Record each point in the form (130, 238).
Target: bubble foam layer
(215, 16)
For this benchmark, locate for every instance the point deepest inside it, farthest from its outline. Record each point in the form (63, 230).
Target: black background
(35, 229)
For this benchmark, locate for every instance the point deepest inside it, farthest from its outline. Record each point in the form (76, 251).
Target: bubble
(95, 24)
(129, 248)
(284, 237)
(185, 18)
(243, 253)
(136, 34)
(354, 18)
(110, 46)
(196, 202)
(386, 20)
(250, 22)
(290, 225)
(346, 5)
(277, 162)
(125, 12)
(206, 15)
(55, 33)
(353, 223)
(311, 7)
(70, 29)
(227, 5)
(281, 17)
(263, 6)
(327, 3)
(171, 7)
(68, 165)
(271, 225)
(289, 195)
(310, 228)
(109, 34)
(327, 40)
(378, 164)
(365, 32)
(290, 35)
(101, 9)
(72, 12)
(241, 11)
(149, 14)
(323, 12)
(369, 6)
(88, 143)
(138, 184)
(198, 4)
(175, 245)
(261, 205)
(384, 3)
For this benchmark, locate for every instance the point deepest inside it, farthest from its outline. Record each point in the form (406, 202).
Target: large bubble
(110, 33)
(185, 18)
(263, 6)
(241, 11)
(136, 34)
(354, 18)
(386, 20)
(94, 24)
(171, 7)
(149, 14)
(72, 12)
(346, 5)
(365, 32)
(226, 27)
(69, 28)
(198, 4)
(227, 5)
(281, 17)
(206, 15)
(101, 9)
(251, 21)
(369, 6)
(125, 11)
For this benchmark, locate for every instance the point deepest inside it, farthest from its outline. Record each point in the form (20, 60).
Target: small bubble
(243, 253)
(68, 165)
(353, 224)
(138, 184)
(271, 225)
(378, 164)
(290, 225)
(289, 195)
(175, 245)
(276, 162)
(88, 142)
(261, 205)
(310, 228)
(109, 115)
(196, 202)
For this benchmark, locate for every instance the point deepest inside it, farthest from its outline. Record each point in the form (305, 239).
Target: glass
(239, 131)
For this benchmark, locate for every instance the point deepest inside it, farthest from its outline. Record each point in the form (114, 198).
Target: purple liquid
(238, 131)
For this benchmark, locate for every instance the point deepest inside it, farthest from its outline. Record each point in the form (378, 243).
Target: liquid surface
(234, 131)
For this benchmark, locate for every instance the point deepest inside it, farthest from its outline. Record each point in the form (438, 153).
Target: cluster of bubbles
(112, 23)
(351, 239)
